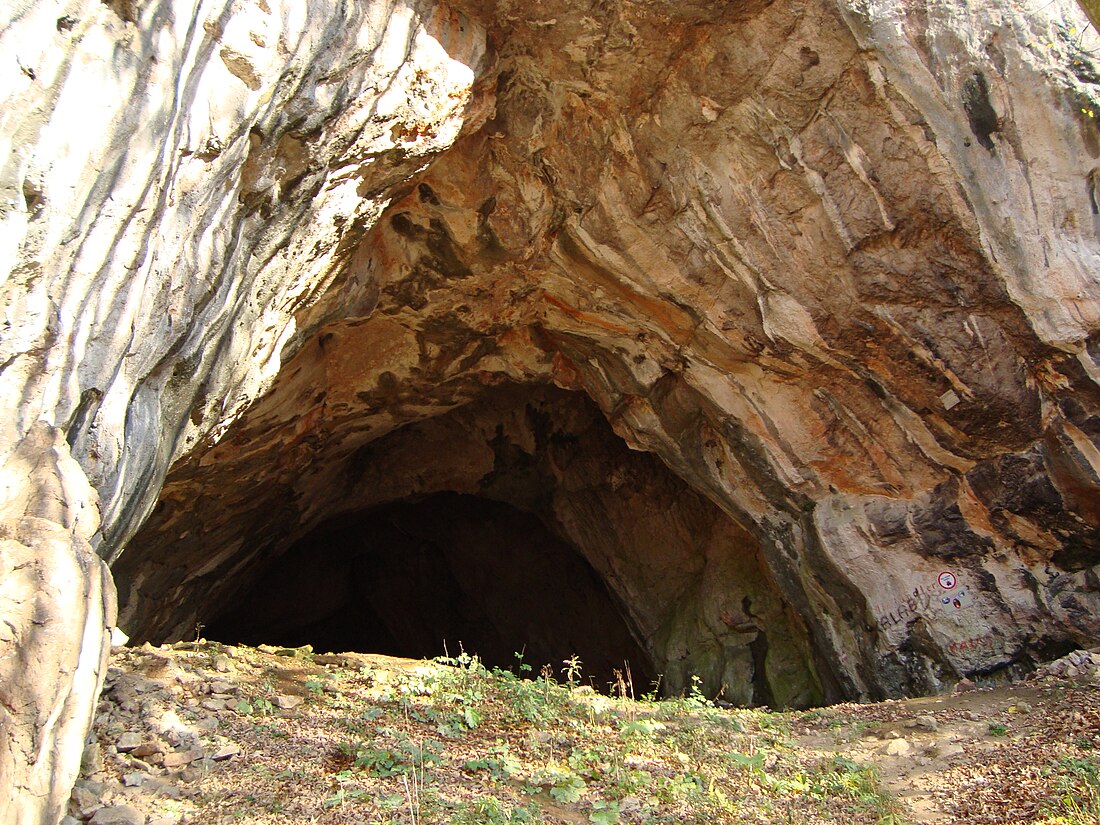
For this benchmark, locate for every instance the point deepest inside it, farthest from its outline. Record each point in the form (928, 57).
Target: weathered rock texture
(179, 181)
(833, 263)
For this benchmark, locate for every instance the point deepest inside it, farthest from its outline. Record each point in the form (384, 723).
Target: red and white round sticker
(947, 581)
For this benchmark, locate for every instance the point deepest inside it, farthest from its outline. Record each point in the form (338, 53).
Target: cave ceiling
(727, 232)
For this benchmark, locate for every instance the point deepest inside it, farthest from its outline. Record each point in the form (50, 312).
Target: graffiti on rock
(945, 591)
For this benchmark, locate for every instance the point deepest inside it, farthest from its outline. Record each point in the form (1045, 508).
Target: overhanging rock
(828, 270)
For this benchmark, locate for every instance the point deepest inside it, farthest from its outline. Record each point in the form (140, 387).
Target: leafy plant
(380, 762)
(343, 795)
(680, 787)
(521, 666)
(500, 763)
(564, 785)
(695, 693)
(270, 730)
(533, 702)
(384, 762)
(844, 779)
(1077, 799)
(568, 790)
(572, 670)
(641, 727)
(589, 762)
(755, 762)
(338, 701)
(489, 811)
(260, 707)
(604, 813)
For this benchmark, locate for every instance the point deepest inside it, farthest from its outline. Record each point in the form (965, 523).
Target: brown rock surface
(831, 265)
(797, 292)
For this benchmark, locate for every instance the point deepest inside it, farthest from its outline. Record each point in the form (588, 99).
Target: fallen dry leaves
(209, 733)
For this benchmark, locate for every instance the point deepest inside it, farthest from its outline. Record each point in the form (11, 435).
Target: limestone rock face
(58, 603)
(178, 181)
(832, 265)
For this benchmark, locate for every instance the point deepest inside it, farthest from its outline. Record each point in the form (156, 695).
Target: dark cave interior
(443, 573)
(517, 523)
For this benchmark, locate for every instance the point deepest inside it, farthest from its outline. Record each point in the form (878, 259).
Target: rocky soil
(203, 732)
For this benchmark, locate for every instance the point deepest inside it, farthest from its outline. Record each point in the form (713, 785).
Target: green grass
(609, 759)
(1077, 797)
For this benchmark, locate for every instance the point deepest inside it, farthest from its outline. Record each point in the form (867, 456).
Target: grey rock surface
(117, 815)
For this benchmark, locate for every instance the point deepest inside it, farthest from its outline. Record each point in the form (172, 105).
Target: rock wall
(58, 604)
(833, 263)
(179, 180)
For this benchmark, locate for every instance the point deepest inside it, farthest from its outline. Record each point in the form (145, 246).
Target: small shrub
(490, 811)
(563, 785)
(1077, 800)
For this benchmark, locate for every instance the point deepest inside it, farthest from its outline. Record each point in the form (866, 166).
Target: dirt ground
(208, 733)
(982, 756)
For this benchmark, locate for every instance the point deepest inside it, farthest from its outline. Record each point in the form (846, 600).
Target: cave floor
(211, 733)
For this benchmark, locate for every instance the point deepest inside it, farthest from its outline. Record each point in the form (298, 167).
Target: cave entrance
(445, 572)
(519, 521)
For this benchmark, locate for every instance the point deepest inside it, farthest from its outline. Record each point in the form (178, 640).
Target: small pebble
(127, 742)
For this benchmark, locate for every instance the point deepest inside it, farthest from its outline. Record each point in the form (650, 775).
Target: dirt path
(971, 756)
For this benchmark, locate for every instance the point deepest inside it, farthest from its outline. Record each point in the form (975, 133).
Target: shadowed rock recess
(756, 341)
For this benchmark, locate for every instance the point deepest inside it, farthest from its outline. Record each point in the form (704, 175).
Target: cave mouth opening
(517, 522)
(438, 574)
